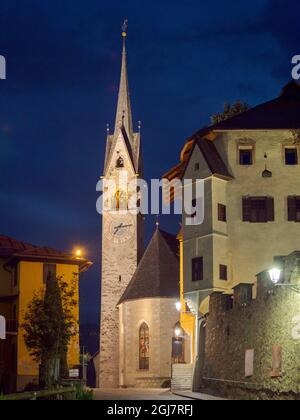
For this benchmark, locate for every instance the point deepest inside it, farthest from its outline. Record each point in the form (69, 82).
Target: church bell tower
(122, 232)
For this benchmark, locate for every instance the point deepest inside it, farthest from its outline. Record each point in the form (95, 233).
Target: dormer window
(291, 156)
(120, 163)
(246, 156)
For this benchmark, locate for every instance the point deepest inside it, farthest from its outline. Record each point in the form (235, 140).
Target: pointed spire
(124, 115)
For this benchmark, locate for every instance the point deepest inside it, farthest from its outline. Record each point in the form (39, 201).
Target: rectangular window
(197, 269)
(294, 209)
(246, 157)
(49, 271)
(223, 272)
(258, 209)
(197, 166)
(222, 213)
(291, 156)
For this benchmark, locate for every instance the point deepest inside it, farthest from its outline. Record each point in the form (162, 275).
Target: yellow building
(24, 270)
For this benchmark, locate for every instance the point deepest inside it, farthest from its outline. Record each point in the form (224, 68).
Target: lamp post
(276, 275)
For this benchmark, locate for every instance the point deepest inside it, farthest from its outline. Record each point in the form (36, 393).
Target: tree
(49, 324)
(230, 111)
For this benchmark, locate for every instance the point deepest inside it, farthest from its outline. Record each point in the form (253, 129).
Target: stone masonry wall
(270, 324)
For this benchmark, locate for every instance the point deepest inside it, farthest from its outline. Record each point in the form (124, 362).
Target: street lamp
(178, 331)
(275, 275)
(178, 306)
(78, 253)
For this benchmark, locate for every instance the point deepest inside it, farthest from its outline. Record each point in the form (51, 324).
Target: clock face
(120, 229)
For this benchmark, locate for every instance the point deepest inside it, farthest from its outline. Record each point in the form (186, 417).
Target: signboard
(249, 363)
(74, 373)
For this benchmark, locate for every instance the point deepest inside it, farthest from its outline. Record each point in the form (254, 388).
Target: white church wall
(160, 315)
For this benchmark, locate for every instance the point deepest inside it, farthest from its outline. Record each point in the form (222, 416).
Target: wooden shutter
(222, 213)
(291, 209)
(197, 269)
(270, 209)
(246, 209)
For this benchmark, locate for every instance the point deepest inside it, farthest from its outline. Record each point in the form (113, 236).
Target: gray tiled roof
(282, 113)
(158, 272)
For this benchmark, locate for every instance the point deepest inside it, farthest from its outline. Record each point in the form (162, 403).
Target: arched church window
(144, 347)
(120, 163)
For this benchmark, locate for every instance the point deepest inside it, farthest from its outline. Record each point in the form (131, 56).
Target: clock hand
(121, 226)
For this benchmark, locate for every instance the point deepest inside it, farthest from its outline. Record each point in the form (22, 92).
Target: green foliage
(230, 111)
(83, 394)
(49, 323)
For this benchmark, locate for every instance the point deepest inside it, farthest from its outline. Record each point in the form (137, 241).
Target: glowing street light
(178, 306)
(78, 253)
(178, 331)
(276, 277)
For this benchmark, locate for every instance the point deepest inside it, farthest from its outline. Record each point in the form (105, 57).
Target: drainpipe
(200, 320)
(197, 375)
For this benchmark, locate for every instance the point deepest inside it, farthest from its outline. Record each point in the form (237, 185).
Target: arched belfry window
(120, 163)
(121, 200)
(144, 347)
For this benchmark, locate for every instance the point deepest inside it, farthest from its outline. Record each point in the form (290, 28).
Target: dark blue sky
(185, 60)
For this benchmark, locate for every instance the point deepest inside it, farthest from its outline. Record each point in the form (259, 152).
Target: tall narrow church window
(120, 163)
(144, 347)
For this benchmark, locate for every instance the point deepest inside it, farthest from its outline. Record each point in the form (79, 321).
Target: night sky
(185, 59)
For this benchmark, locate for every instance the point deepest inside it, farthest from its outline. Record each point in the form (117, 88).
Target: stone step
(182, 377)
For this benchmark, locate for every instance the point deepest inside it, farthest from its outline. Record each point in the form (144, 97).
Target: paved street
(135, 394)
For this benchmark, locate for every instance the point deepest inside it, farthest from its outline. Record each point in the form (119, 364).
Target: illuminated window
(144, 347)
(121, 200)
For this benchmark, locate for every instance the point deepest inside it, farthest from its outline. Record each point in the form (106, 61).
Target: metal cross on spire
(124, 28)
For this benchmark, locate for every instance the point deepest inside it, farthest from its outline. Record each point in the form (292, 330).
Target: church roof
(124, 124)
(158, 272)
(124, 114)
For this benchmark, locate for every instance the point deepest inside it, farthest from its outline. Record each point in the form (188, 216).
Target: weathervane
(124, 28)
